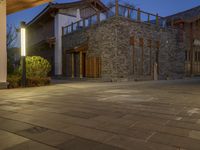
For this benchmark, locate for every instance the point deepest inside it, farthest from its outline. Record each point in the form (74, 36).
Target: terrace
(131, 13)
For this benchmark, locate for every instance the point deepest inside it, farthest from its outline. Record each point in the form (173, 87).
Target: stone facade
(132, 50)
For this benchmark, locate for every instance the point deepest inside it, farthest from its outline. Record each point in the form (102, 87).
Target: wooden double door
(78, 65)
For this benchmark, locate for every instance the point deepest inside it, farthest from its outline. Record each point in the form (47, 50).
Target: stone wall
(123, 60)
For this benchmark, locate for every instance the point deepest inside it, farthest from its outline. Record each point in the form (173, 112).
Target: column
(81, 64)
(3, 51)
(72, 64)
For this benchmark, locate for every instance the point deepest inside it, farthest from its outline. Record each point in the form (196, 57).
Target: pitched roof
(53, 7)
(187, 16)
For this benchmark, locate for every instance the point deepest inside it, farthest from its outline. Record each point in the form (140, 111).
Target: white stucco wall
(3, 52)
(61, 21)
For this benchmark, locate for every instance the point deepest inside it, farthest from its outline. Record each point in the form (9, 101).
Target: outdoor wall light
(23, 52)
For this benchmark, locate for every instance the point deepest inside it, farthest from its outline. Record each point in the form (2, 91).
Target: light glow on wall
(23, 42)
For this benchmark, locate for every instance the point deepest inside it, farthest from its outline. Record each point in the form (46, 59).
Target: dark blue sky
(163, 7)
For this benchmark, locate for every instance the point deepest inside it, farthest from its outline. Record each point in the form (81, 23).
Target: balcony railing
(116, 10)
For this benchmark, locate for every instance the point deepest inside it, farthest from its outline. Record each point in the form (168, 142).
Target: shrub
(14, 81)
(36, 66)
(37, 69)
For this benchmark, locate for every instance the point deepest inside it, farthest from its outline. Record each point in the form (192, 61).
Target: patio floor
(162, 115)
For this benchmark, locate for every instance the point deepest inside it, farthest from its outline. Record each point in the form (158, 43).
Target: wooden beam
(72, 59)
(18, 5)
(81, 64)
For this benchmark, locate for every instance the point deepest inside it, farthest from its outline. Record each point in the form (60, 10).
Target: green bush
(37, 69)
(14, 81)
(36, 66)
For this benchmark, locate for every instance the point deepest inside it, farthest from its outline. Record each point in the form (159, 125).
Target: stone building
(128, 44)
(189, 21)
(118, 43)
(44, 32)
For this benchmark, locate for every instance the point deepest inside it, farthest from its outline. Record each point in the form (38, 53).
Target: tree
(11, 36)
(11, 41)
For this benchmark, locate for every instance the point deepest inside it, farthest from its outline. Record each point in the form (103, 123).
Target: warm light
(23, 42)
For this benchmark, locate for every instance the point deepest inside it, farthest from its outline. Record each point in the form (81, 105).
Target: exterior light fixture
(23, 52)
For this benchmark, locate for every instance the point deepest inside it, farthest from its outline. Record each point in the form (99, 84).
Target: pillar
(72, 55)
(3, 51)
(81, 64)
(58, 44)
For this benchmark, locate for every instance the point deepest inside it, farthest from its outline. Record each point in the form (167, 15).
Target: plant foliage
(36, 67)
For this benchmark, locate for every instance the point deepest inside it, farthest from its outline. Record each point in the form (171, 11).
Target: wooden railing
(116, 10)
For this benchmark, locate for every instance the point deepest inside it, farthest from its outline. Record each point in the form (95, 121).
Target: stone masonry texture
(122, 59)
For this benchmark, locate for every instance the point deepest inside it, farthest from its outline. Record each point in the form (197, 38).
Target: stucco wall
(40, 32)
(111, 41)
(3, 50)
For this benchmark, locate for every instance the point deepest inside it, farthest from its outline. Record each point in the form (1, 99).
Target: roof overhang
(18, 5)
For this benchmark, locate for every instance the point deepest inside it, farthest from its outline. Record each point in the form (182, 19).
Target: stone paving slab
(31, 145)
(162, 115)
(8, 139)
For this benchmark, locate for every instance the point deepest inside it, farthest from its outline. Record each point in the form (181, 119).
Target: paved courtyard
(151, 115)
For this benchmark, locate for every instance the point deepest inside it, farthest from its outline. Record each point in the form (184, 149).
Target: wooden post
(72, 65)
(95, 70)
(142, 56)
(78, 25)
(81, 64)
(99, 67)
(148, 18)
(191, 50)
(98, 17)
(150, 42)
(72, 27)
(117, 8)
(139, 15)
(107, 15)
(172, 23)
(129, 15)
(157, 20)
(84, 23)
(63, 31)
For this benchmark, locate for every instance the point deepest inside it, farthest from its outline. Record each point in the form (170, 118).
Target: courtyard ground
(162, 115)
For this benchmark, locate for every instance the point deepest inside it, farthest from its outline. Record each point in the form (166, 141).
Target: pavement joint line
(116, 133)
(168, 121)
(55, 131)
(134, 124)
(147, 139)
(37, 141)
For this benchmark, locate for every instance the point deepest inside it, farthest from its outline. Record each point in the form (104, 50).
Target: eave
(18, 5)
